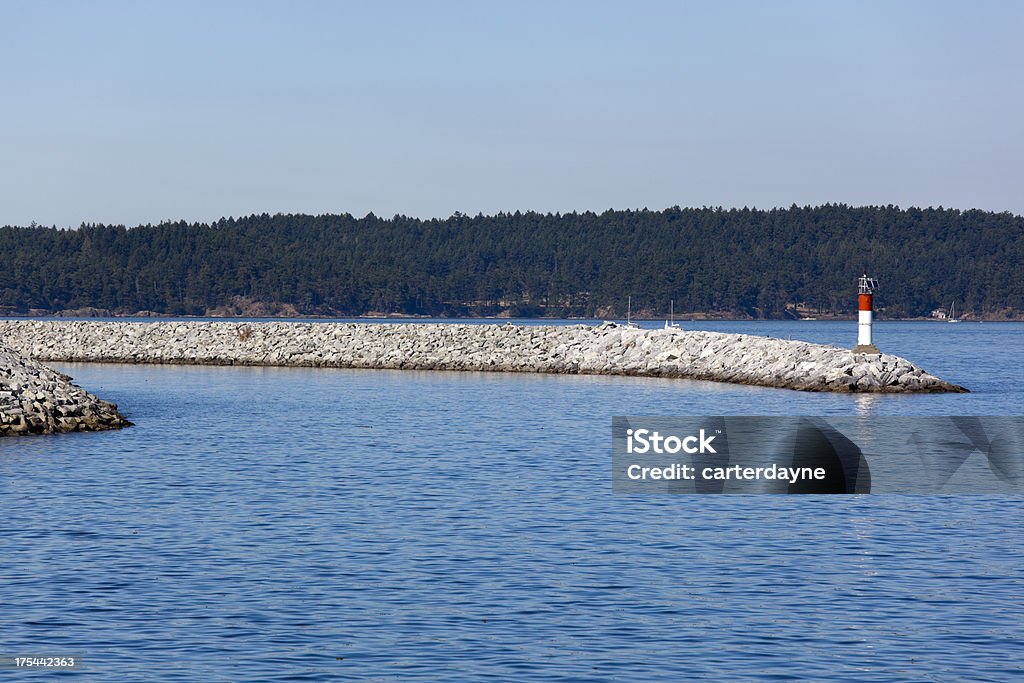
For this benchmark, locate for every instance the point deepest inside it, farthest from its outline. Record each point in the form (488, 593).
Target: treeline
(745, 262)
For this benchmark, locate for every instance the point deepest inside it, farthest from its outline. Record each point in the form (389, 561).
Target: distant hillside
(742, 262)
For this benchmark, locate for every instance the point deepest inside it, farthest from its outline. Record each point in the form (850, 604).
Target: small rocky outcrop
(607, 349)
(35, 399)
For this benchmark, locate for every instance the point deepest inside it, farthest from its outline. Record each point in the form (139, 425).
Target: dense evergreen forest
(738, 262)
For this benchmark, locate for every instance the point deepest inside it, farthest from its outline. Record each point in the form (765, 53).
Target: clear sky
(135, 112)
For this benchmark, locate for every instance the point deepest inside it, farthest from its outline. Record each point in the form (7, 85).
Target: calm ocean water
(267, 524)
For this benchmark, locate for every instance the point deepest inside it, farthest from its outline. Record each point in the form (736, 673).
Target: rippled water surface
(295, 524)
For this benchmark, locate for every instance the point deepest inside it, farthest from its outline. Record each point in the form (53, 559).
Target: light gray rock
(35, 399)
(605, 349)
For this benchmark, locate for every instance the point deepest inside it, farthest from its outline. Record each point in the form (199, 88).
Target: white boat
(629, 307)
(671, 323)
(951, 318)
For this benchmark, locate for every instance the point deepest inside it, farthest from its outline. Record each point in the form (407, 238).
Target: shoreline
(149, 316)
(90, 314)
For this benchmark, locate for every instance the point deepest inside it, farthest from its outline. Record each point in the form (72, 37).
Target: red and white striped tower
(865, 289)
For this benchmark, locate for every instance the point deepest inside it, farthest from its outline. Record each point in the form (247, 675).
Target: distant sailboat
(629, 312)
(671, 323)
(952, 314)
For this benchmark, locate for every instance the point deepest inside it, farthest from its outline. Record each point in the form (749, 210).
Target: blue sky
(138, 112)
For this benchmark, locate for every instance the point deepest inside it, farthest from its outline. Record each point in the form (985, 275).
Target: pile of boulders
(35, 399)
(608, 349)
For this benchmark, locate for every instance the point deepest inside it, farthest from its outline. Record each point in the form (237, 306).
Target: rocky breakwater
(35, 399)
(576, 349)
